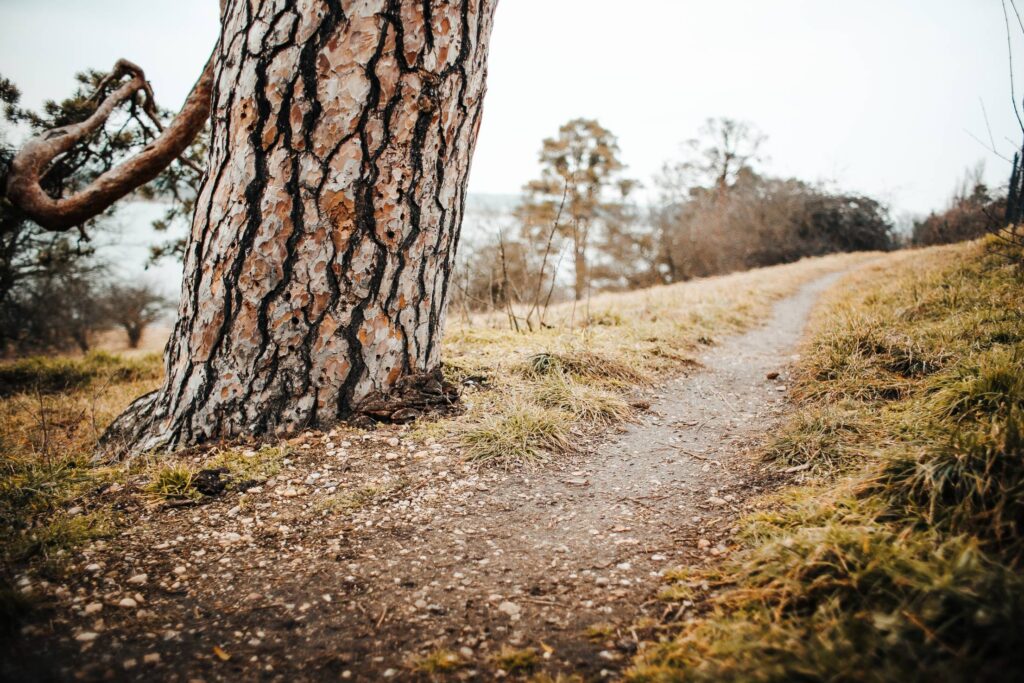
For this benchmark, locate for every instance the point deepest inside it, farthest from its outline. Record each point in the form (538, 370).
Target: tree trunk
(579, 247)
(318, 265)
(134, 333)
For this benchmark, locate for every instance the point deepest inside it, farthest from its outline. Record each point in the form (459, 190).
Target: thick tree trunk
(317, 268)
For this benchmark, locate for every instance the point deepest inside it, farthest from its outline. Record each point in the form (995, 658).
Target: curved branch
(23, 183)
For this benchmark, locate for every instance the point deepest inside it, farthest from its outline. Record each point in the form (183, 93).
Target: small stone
(93, 567)
(715, 500)
(389, 673)
(128, 603)
(93, 608)
(129, 663)
(466, 652)
(772, 375)
(393, 442)
(703, 543)
(151, 658)
(138, 579)
(511, 609)
(87, 636)
(658, 558)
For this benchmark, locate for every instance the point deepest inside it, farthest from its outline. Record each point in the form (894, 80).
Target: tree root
(412, 397)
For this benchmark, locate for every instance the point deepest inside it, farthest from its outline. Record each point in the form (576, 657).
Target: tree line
(715, 212)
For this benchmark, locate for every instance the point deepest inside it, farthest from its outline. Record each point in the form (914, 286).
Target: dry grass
(47, 441)
(528, 389)
(902, 559)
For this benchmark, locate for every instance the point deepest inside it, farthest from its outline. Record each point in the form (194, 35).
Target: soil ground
(369, 551)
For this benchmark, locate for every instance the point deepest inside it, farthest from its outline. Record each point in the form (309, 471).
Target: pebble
(128, 603)
(93, 607)
(151, 658)
(138, 579)
(87, 636)
(511, 609)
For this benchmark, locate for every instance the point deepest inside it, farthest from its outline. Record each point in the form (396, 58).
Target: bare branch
(1009, 48)
(31, 162)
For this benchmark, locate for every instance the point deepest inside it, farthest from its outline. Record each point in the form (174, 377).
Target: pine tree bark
(318, 264)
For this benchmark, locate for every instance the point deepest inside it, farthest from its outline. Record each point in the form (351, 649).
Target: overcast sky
(881, 96)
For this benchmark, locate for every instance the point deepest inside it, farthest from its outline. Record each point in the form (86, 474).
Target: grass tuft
(516, 660)
(439, 662)
(170, 481)
(517, 433)
(591, 404)
(821, 441)
(587, 365)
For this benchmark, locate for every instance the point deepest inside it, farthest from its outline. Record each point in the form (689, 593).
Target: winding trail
(561, 560)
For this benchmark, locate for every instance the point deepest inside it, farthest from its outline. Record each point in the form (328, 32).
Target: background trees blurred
(56, 290)
(713, 212)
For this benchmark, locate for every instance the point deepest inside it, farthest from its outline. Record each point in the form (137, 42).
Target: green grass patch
(172, 482)
(247, 465)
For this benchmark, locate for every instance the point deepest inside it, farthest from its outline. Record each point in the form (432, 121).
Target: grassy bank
(527, 397)
(898, 558)
(528, 392)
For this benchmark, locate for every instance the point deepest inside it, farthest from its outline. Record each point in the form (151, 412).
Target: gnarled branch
(23, 184)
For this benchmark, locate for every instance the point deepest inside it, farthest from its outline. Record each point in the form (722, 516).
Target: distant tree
(134, 307)
(723, 150)
(973, 210)
(716, 213)
(844, 222)
(691, 219)
(579, 189)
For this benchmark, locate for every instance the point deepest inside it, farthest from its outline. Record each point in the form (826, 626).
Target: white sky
(879, 95)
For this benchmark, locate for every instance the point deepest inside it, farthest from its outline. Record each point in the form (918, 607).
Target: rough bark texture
(317, 268)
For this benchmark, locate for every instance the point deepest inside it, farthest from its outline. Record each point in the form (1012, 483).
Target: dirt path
(285, 583)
